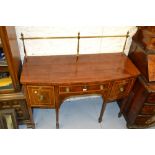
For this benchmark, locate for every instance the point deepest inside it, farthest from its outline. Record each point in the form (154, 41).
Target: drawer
(141, 120)
(151, 98)
(121, 88)
(144, 120)
(20, 107)
(148, 109)
(83, 88)
(41, 95)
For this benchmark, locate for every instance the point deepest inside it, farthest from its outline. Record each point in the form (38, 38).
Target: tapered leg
(122, 107)
(30, 123)
(57, 118)
(119, 114)
(102, 112)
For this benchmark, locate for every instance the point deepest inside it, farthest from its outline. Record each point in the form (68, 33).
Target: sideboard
(49, 80)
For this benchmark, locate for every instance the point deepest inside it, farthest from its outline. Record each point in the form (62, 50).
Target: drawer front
(20, 107)
(151, 98)
(148, 109)
(83, 88)
(141, 120)
(121, 88)
(41, 95)
(144, 120)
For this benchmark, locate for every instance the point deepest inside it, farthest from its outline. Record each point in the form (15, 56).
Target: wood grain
(110, 75)
(89, 68)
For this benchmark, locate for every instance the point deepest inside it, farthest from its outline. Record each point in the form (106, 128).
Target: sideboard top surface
(66, 68)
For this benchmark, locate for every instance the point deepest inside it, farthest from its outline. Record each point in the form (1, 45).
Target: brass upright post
(22, 38)
(127, 35)
(78, 47)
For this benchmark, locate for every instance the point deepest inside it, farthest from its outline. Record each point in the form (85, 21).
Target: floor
(80, 113)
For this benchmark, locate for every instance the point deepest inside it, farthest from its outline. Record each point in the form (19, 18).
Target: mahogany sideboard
(49, 80)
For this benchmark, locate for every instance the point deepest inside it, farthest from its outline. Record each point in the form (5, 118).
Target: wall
(69, 46)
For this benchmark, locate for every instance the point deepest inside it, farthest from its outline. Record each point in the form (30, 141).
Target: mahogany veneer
(49, 80)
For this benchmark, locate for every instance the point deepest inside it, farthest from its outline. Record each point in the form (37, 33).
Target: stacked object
(139, 110)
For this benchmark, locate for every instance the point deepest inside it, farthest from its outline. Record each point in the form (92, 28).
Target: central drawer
(41, 96)
(83, 88)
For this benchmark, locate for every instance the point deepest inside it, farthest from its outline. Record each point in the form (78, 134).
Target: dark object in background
(2, 56)
(3, 75)
(8, 119)
(142, 51)
(17, 102)
(139, 110)
(11, 95)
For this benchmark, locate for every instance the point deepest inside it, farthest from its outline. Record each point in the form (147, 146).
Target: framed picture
(8, 119)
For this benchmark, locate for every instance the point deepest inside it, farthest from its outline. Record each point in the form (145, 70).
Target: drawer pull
(121, 89)
(67, 89)
(85, 88)
(35, 92)
(101, 87)
(41, 97)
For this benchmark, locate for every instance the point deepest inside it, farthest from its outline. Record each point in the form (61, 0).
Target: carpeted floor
(80, 114)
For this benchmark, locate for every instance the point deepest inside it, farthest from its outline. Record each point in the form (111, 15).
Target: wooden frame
(12, 54)
(8, 119)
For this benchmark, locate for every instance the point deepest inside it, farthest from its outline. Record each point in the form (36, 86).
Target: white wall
(69, 46)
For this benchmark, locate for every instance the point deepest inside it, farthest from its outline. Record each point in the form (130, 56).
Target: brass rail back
(73, 37)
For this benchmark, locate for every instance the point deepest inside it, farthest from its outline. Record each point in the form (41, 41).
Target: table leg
(122, 107)
(119, 114)
(102, 112)
(30, 122)
(57, 118)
